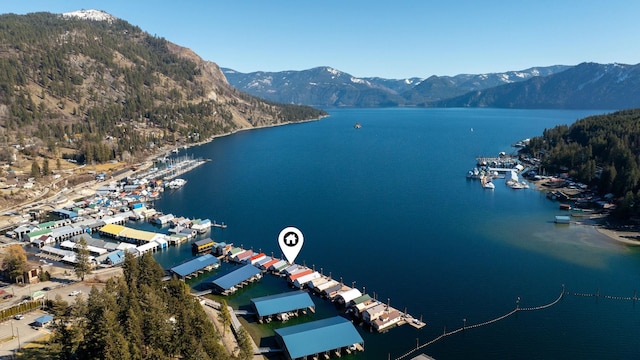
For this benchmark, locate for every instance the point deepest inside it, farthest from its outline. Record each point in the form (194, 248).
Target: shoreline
(630, 238)
(212, 138)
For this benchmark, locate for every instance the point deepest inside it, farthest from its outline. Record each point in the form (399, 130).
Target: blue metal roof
(43, 319)
(316, 337)
(279, 303)
(194, 265)
(116, 257)
(226, 282)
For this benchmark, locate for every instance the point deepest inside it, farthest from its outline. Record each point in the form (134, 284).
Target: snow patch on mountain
(95, 15)
(333, 71)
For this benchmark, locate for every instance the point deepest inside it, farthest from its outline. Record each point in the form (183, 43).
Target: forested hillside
(137, 316)
(109, 90)
(602, 150)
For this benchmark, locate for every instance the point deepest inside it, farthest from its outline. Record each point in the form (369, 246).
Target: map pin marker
(290, 240)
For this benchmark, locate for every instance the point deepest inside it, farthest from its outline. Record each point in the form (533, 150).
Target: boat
(357, 125)
(487, 183)
(475, 173)
(514, 182)
(176, 183)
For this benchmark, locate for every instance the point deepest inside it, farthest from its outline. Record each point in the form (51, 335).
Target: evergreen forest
(602, 151)
(138, 316)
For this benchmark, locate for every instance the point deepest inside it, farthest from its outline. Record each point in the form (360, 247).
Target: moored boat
(487, 183)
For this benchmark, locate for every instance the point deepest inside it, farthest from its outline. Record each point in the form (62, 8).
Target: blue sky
(414, 38)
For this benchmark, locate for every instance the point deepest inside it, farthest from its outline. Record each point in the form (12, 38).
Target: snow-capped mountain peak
(95, 15)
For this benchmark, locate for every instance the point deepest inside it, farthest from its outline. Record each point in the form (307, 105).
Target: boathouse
(317, 338)
(196, 266)
(257, 258)
(345, 296)
(243, 257)
(298, 274)
(202, 246)
(230, 282)
(268, 306)
(329, 284)
(278, 267)
(115, 258)
(302, 281)
(134, 236)
(267, 265)
(387, 319)
(374, 312)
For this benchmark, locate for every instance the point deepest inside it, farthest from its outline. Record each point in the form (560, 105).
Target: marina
(512, 230)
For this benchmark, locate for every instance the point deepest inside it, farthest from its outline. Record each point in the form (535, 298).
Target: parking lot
(16, 333)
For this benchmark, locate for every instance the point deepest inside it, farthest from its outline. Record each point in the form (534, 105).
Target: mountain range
(583, 86)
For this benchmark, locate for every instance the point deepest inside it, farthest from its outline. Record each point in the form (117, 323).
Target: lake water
(389, 207)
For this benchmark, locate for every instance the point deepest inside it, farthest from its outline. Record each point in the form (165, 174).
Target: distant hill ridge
(583, 86)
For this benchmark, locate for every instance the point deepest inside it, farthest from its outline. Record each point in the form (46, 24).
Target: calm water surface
(389, 207)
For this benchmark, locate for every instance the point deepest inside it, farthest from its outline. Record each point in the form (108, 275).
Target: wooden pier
(221, 225)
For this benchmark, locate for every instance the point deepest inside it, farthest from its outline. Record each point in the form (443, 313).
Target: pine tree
(225, 316)
(35, 169)
(83, 265)
(45, 167)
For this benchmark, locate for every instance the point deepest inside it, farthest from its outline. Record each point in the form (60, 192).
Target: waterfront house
(374, 312)
(387, 319)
